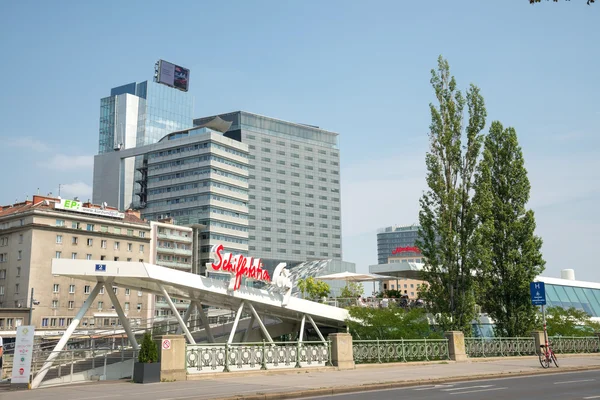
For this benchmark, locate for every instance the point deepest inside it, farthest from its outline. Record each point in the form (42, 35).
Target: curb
(335, 390)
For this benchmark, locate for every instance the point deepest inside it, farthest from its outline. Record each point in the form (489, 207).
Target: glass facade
(160, 111)
(390, 238)
(585, 299)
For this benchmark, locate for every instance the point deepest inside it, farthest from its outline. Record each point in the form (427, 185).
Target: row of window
(196, 185)
(297, 232)
(292, 145)
(195, 172)
(298, 252)
(308, 242)
(196, 211)
(193, 160)
(74, 256)
(87, 289)
(193, 198)
(103, 228)
(103, 243)
(293, 202)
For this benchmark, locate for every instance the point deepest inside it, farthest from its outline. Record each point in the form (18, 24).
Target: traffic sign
(166, 344)
(538, 293)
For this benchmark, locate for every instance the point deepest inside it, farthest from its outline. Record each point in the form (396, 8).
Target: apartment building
(171, 246)
(34, 232)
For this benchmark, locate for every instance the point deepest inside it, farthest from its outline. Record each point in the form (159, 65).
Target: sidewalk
(295, 383)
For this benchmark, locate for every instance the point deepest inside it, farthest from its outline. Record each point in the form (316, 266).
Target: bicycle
(547, 356)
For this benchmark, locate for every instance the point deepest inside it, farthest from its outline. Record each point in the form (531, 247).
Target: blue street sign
(538, 293)
(101, 267)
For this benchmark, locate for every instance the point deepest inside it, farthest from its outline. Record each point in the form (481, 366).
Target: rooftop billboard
(173, 75)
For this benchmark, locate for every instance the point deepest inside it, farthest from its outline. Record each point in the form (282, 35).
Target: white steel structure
(197, 289)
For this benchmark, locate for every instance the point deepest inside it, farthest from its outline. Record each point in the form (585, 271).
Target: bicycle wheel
(544, 360)
(553, 356)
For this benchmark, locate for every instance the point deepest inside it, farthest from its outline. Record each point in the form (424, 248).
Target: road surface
(583, 385)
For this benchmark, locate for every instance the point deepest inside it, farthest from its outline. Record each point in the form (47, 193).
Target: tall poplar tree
(507, 249)
(446, 217)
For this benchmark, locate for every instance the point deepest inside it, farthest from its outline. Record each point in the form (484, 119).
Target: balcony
(176, 265)
(177, 238)
(171, 250)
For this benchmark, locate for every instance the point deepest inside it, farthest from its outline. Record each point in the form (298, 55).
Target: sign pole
(545, 332)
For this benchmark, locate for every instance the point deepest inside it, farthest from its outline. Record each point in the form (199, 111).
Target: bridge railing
(400, 350)
(223, 357)
(575, 344)
(500, 346)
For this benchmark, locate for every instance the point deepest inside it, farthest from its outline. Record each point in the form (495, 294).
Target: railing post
(378, 353)
(403, 349)
(456, 345)
(226, 369)
(59, 365)
(104, 370)
(297, 354)
(72, 362)
(264, 356)
(426, 355)
(329, 363)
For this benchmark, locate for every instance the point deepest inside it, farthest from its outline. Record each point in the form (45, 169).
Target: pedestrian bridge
(274, 300)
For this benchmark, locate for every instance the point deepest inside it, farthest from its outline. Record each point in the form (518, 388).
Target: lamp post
(31, 302)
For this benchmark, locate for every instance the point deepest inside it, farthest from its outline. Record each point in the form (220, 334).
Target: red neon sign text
(239, 266)
(407, 249)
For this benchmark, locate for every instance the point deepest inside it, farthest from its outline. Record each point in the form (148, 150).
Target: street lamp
(32, 302)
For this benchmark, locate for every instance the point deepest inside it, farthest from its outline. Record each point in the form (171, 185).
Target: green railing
(500, 347)
(575, 344)
(401, 350)
(252, 356)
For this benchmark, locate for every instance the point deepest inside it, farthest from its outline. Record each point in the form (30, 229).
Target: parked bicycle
(547, 356)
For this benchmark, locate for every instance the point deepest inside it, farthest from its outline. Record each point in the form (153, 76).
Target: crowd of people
(388, 302)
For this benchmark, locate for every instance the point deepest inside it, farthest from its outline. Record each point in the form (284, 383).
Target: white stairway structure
(200, 291)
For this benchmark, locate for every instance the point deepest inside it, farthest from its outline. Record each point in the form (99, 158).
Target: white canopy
(354, 277)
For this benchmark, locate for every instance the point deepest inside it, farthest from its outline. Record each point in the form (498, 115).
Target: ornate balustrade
(402, 350)
(575, 344)
(500, 347)
(252, 356)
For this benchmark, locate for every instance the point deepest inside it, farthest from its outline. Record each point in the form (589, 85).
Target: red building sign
(239, 266)
(407, 249)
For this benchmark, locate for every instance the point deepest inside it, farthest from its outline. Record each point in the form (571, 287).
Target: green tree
(148, 350)
(568, 322)
(447, 220)
(313, 289)
(352, 290)
(508, 252)
(388, 323)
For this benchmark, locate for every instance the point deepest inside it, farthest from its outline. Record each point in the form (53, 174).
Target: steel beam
(204, 319)
(66, 336)
(236, 321)
(316, 329)
(177, 316)
(260, 323)
(121, 314)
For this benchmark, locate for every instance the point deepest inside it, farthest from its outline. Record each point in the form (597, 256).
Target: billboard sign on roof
(173, 75)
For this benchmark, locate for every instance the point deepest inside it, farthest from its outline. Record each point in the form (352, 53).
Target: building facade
(138, 114)
(197, 177)
(171, 246)
(34, 232)
(397, 243)
(294, 187)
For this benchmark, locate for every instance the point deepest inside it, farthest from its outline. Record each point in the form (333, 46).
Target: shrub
(148, 350)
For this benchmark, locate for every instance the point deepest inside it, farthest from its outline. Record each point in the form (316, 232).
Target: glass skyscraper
(139, 114)
(142, 113)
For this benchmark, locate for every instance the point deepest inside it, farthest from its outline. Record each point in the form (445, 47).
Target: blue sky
(355, 67)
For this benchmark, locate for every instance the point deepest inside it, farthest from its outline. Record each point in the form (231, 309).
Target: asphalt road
(583, 385)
